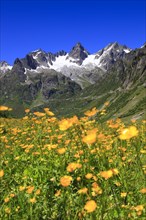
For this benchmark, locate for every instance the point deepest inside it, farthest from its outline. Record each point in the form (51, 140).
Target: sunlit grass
(72, 168)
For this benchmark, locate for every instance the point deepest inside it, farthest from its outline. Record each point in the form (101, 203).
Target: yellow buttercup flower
(30, 189)
(91, 136)
(1, 173)
(33, 200)
(61, 150)
(21, 188)
(139, 208)
(39, 114)
(83, 190)
(7, 210)
(106, 103)
(38, 192)
(27, 110)
(109, 173)
(73, 166)
(96, 189)
(64, 124)
(90, 206)
(89, 175)
(65, 180)
(3, 108)
(12, 195)
(106, 174)
(58, 193)
(78, 178)
(123, 194)
(91, 112)
(48, 112)
(6, 200)
(115, 171)
(143, 190)
(128, 133)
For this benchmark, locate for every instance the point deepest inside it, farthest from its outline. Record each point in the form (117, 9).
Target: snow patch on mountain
(4, 67)
(62, 61)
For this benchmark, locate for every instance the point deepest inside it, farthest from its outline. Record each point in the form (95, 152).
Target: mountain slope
(123, 86)
(79, 81)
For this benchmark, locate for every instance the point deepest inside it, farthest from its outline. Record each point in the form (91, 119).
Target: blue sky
(54, 25)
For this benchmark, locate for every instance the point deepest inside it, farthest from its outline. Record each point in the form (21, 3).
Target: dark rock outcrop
(79, 53)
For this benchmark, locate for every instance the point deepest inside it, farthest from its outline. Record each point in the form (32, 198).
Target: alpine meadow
(72, 110)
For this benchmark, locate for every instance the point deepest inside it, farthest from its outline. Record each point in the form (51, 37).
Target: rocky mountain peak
(60, 53)
(79, 53)
(116, 47)
(3, 63)
(17, 61)
(144, 45)
(4, 66)
(111, 53)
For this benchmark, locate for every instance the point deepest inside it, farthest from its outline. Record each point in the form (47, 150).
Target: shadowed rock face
(79, 53)
(29, 62)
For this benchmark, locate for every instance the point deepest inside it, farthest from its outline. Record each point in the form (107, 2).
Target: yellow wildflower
(106, 174)
(38, 192)
(106, 103)
(58, 193)
(30, 189)
(143, 190)
(83, 190)
(65, 180)
(64, 124)
(89, 175)
(73, 166)
(33, 200)
(21, 188)
(6, 200)
(61, 150)
(139, 208)
(48, 112)
(78, 178)
(90, 138)
(1, 173)
(27, 110)
(3, 108)
(128, 133)
(90, 206)
(39, 114)
(96, 189)
(12, 195)
(115, 171)
(91, 112)
(7, 210)
(123, 194)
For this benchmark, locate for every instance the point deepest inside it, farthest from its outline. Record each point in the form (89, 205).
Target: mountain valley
(71, 83)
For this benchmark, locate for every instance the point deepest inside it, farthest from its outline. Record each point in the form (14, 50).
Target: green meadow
(72, 168)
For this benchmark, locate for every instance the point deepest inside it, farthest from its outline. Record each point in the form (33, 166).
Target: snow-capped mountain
(79, 65)
(106, 57)
(42, 78)
(4, 67)
(77, 57)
